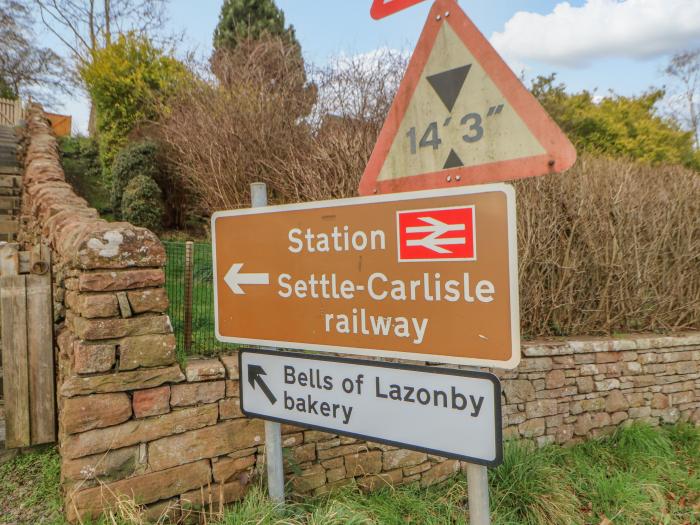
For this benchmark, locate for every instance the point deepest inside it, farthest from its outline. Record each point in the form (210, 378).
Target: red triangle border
(560, 155)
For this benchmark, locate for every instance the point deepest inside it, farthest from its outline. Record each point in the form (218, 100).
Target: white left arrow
(234, 278)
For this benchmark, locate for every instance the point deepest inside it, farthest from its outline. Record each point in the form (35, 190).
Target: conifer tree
(250, 19)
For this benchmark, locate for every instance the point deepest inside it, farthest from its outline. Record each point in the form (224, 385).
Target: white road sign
(451, 413)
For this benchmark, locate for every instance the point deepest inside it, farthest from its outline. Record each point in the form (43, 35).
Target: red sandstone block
(151, 402)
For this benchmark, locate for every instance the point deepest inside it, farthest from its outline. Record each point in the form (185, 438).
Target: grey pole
(273, 431)
(478, 488)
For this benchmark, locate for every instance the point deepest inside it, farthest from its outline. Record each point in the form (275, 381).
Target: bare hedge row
(611, 246)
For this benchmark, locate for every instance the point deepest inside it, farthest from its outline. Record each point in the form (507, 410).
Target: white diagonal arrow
(436, 229)
(234, 278)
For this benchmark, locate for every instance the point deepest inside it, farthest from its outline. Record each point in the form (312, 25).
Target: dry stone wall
(135, 423)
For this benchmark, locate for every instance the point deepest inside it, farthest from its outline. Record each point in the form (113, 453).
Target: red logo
(442, 234)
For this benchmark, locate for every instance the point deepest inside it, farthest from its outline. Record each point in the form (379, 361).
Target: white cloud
(575, 36)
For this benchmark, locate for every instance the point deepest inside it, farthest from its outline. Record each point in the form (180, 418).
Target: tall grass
(639, 475)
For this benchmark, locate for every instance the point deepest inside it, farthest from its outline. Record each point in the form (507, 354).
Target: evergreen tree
(250, 19)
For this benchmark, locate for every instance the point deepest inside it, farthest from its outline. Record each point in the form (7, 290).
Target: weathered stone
(189, 394)
(123, 280)
(439, 472)
(589, 370)
(312, 436)
(593, 405)
(232, 388)
(122, 381)
(518, 391)
(659, 401)
(149, 300)
(532, 427)
(336, 474)
(336, 450)
(206, 442)
(146, 351)
(533, 364)
(309, 479)
(151, 402)
(96, 329)
(402, 458)
(670, 415)
(541, 407)
(83, 413)
(97, 305)
(607, 384)
(204, 370)
(639, 412)
(91, 359)
(618, 417)
(385, 479)
(607, 357)
(678, 398)
(124, 306)
(417, 469)
(138, 431)
(616, 402)
(364, 463)
(110, 466)
(305, 453)
(555, 379)
(230, 408)
(166, 511)
(230, 362)
(227, 468)
(564, 434)
(584, 384)
(147, 488)
(215, 494)
(583, 425)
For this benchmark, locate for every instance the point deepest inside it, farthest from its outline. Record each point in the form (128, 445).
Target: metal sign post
(273, 431)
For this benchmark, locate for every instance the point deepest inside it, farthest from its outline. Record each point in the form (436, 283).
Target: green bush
(128, 82)
(81, 164)
(142, 203)
(136, 159)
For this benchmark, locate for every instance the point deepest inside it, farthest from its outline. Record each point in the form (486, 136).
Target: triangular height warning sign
(461, 117)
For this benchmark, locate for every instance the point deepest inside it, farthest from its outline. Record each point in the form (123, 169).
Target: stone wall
(135, 423)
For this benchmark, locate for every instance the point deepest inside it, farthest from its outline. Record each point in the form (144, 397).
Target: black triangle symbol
(453, 161)
(449, 83)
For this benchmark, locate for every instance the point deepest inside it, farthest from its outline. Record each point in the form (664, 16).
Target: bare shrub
(611, 246)
(256, 125)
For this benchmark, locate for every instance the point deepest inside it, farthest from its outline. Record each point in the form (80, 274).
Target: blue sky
(619, 45)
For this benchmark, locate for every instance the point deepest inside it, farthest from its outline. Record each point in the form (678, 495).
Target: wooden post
(13, 309)
(273, 431)
(189, 283)
(42, 392)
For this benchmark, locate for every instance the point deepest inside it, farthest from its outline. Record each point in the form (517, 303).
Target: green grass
(639, 475)
(203, 336)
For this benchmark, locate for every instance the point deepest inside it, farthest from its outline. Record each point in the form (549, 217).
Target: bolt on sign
(429, 275)
(461, 117)
(459, 411)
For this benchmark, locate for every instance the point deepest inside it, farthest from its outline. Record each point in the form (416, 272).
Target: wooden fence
(11, 112)
(26, 324)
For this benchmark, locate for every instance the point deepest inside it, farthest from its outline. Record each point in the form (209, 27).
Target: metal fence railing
(188, 281)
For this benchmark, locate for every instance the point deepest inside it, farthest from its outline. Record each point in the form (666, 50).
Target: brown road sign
(461, 117)
(429, 275)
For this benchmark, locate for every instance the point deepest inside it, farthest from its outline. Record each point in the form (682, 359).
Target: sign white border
(392, 197)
